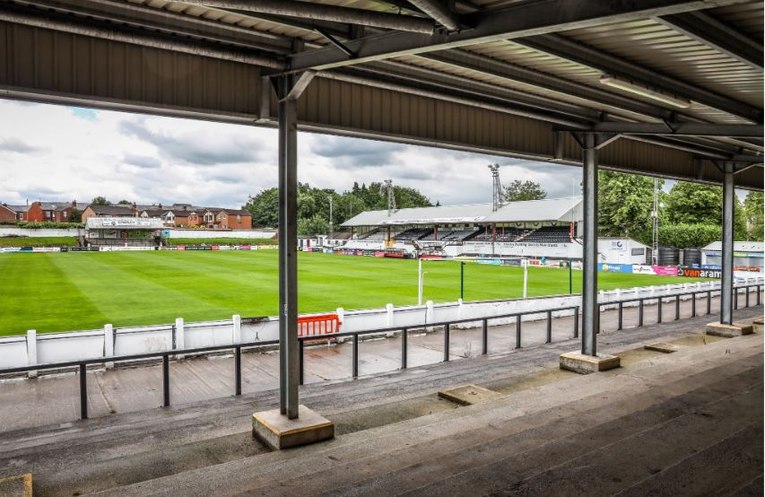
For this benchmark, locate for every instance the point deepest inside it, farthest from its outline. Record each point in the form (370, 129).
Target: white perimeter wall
(174, 233)
(202, 234)
(45, 348)
(9, 231)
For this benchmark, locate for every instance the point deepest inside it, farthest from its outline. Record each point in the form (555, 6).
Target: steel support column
(590, 266)
(726, 287)
(288, 89)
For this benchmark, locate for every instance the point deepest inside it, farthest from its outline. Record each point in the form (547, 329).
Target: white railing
(34, 348)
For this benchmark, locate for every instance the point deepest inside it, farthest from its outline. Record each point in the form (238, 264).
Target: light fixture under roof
(643, 91)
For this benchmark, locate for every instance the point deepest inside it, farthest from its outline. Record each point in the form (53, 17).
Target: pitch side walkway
(54, 398)
(688, 423)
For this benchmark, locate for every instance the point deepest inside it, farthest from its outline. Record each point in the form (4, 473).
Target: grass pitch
(85, 290)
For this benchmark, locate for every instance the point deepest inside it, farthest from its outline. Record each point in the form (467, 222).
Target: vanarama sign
(690, 272)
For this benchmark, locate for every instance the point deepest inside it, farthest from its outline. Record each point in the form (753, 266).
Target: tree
(688, 235)
(347, 206)
(315, 225)
(75, 216)
(753, 212)
(264, 208)
(695, 203)
(124, 202)
(625, 204)
(313, 205)
(524, 190)
(409, 197)
(100, 201)
(375, 197)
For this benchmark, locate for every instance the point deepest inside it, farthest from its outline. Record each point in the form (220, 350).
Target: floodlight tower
(331, 225)
(655, 216)
(496, 189)
(391, 196)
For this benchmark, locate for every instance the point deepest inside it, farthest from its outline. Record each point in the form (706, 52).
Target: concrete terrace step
(152, 450)
(378, 460)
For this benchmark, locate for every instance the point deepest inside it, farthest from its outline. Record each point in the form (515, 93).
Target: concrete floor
(689, 423)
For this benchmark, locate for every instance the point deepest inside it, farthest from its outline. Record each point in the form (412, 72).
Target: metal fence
(355, 336)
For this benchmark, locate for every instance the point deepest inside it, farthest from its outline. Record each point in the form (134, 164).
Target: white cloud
(64, 153)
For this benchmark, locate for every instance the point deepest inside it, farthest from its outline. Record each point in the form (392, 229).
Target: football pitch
(85, 290)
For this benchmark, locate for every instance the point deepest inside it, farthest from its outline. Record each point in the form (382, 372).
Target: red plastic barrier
(318, 325)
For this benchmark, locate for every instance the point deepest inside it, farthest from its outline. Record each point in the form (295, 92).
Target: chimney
(134, 210)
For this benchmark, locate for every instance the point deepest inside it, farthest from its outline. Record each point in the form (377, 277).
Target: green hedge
(221, 241)
(43, 241)
(689, 235)
(36, 225)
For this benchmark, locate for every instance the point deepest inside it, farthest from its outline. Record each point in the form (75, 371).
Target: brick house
(183, 216)
(57, 212)
(20, 210)
(8, 214)
(189, 216)
(177, 215)
(94, 210)
(215, 218)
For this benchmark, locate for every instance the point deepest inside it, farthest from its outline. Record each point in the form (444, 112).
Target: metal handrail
(676, 296)
(237, 348)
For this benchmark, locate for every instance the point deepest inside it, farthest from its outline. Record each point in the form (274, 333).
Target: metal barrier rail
(446, 325)
(660, 301)
(354, 335)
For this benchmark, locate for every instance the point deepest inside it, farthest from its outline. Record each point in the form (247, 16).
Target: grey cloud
(349, 152)
(142, 161)
(41, 193)
(197, 148)
(410, 172)
(226, 179)
(17, 146)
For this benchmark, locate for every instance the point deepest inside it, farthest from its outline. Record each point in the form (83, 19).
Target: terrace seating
(458, 235)
(372, 236)
(425, 232)
(503, 235)
(549, 234)
(413, 234)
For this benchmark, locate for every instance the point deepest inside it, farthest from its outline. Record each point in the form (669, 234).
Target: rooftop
(547, 210)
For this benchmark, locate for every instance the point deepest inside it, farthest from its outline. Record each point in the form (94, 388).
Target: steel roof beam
(401, 5)
(493, 67)
(139, 16)
(706, 29)
(439, 79)
(308, 25)
(676, 145)
(588, 56)
(324, 12)
(133, 36)
(519, 20)
(439, 12)
(676, 129)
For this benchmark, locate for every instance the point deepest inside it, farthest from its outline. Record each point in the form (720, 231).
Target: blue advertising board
(615, 268)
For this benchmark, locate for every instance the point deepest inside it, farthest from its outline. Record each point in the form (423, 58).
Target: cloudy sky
(55, 153)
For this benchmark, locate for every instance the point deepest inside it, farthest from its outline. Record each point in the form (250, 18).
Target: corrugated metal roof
(652, 44)
(739, 246)
(552, 209)
(563, 88)
(451, 214)
(559, 209)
